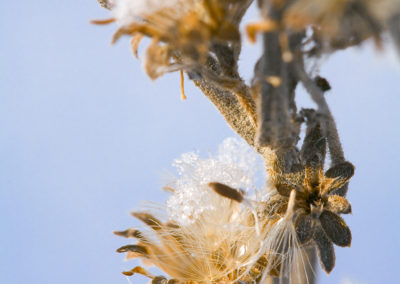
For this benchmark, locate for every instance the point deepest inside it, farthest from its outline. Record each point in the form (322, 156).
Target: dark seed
(336, 229)
(226, 191)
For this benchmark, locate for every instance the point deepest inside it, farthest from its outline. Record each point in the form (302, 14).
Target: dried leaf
(336, 229)
(326, 252)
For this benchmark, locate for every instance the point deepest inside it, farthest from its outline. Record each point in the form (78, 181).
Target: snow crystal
(235, 165)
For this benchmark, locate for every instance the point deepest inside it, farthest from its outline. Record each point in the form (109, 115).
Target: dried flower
(183, 32)
(215, 233)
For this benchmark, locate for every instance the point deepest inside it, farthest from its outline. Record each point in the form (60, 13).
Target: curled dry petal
(326, 252)
(338, 204)
(336, 229)
(304, 228)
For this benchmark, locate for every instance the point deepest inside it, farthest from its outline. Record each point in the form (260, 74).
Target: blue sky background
(85, 137)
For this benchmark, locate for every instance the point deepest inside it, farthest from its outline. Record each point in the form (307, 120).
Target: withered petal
(304, 229)
(338, 204)
(336, 228)
(326, 252)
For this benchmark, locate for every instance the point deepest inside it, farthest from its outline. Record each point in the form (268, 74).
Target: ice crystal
(236, 165)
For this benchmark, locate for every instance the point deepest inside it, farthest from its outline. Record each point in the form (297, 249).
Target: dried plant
(215, 231)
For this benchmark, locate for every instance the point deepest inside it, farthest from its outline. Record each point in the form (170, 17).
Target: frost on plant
(219, 226)
(235, 165)
(209, 237)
